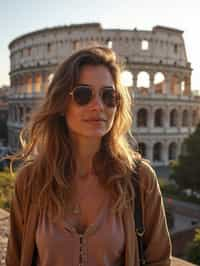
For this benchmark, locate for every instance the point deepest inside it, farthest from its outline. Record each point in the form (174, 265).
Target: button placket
(83, 256)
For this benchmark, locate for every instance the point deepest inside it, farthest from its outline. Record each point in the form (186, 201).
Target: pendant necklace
(76, 209)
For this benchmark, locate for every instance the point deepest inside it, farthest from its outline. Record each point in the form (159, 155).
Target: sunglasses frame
(93, 95)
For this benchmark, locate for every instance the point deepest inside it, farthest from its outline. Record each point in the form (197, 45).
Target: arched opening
(185, 118)
(143, 82)
(126, 78)
(174, 88)
(158, 118)
(185, 88)
(172, 152)
(157, 152)
(144, 45)
(142, 117)
(173, 118)
(182, 87)
(29, 84)
(38, 82)
(142, 148)
(194, 118)
(159, 82)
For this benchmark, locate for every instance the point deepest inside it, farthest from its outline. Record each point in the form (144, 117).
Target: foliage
(6, 189)
(193, 249)
(186, 170)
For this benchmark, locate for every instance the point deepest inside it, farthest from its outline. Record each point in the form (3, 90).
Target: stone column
(167, 84)
(151, 88)
(42, 87)
(165, 152)
(179, 118)
(150, 151)
(151, 118)
(135, 74)
(166, 118)
(188, 86)
(33, 83)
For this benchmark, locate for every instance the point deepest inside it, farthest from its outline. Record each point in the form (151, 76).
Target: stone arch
(142, 149)
(142, 117)
(158, 118)
(159, 83)
(173, 118)
(172, 151)
(185, 118)
(157, 152)
(143, 82)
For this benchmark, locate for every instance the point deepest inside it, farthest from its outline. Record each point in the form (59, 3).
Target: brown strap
(139, 227)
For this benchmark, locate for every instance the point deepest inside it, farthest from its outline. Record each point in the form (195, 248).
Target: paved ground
(4, 228)
(183, 222)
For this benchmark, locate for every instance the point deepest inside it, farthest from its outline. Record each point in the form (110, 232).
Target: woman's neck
(84, 151)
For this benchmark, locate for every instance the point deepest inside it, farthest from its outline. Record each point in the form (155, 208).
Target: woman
(74, 197)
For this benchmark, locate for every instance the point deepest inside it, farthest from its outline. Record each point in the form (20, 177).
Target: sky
(18, 17)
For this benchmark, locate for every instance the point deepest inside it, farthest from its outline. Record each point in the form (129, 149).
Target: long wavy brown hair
(47, 156)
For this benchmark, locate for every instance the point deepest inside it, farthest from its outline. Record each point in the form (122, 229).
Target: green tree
(186, 170)
(6, 188)
(193, 249)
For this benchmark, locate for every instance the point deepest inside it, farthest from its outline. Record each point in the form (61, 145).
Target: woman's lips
(95, 121)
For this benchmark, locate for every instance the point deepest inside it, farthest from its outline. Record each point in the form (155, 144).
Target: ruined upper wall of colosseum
(161, 45)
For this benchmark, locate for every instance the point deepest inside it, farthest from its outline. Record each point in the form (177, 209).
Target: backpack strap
(139, 227)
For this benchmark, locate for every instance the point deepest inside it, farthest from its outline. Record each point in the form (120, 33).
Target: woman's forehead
(99, 74)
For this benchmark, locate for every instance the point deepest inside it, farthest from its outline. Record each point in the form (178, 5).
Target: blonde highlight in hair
(47, 154)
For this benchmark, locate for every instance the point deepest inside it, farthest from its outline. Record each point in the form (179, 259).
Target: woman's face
(94, 119)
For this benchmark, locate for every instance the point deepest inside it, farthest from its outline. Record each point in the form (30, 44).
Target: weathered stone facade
(165, 109)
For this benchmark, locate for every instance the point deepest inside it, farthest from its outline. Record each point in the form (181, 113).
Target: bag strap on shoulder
(139, 226)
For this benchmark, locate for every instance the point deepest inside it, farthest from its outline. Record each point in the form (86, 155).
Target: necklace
(77, 209)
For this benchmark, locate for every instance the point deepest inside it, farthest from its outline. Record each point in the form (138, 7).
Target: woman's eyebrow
(91, 86)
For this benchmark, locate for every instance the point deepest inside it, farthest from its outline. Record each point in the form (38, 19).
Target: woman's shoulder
(147, 175)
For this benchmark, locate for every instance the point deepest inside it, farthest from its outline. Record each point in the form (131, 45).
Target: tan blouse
(102, 243)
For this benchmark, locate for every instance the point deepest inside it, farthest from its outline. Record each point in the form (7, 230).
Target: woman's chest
(102, 243)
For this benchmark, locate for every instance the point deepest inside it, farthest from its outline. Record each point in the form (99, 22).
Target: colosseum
(165, 111)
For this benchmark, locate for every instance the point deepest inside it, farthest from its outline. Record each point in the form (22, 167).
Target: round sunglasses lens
(109, 98)
(82, 95)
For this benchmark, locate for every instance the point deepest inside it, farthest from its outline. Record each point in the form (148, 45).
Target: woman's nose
(97, 102)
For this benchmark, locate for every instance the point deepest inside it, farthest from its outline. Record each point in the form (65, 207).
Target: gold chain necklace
(76, 209)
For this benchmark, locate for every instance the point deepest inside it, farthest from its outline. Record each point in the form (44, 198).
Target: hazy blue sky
(18, 17)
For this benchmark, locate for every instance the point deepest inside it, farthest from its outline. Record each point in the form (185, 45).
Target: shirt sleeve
(16, 228)
(156, 237)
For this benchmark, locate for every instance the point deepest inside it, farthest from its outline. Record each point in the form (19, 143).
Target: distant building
(165, 112)
(3, 115)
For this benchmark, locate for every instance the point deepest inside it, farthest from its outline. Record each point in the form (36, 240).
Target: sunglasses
(83, 94)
